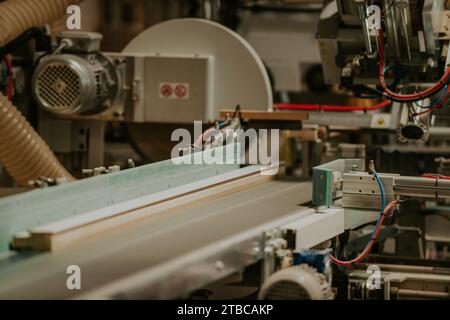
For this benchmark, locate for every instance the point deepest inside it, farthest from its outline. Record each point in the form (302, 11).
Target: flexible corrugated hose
(23, 153)
(16, 16)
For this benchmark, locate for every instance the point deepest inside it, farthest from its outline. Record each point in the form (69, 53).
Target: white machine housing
(177, 71)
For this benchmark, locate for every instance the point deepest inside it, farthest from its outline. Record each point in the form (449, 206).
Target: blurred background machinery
(108, 96)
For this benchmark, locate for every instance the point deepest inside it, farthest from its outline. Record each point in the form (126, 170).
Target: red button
(166, 90)
(181, 91)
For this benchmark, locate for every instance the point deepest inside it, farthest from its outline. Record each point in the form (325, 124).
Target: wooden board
(268, 115)
(59, 234)
(176, 251)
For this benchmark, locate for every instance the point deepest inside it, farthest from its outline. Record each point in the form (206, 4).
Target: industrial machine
(394, 50)
(77, 79)
(266, 198)
(158, 78)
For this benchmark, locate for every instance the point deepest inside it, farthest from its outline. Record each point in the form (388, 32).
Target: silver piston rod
(422, 187)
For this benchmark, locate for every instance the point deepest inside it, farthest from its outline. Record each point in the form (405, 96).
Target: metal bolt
(219, 265)
(371, 166)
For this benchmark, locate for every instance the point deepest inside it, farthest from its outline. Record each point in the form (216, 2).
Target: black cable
(366, 89)
(389, 7)
(422, 97)
(362, 89)
(43, 42)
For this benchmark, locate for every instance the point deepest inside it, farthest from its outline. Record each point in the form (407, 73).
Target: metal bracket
(325, 177)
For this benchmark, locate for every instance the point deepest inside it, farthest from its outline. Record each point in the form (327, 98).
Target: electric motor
(78, 79)
(301, 282)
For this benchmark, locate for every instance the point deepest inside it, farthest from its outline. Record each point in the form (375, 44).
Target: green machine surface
(21, 212)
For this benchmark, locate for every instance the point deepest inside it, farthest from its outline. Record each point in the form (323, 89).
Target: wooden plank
(170, 247)
(24, 211)
(6, 192)
(57, 235)
(268, 115)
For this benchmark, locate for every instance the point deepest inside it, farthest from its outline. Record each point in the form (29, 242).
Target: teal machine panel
(24, 211)
(325, 178)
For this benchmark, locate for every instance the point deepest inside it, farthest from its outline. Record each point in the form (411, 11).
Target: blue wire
(383, 204)
(444, 92)
(380, 185)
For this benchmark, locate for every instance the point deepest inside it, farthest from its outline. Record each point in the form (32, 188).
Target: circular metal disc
(239, 75)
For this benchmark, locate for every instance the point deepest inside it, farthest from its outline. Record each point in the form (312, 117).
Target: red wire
(10, 87)
(435, 87)
(435, 176)
(368, 248)
(437, 106)
(381, 105)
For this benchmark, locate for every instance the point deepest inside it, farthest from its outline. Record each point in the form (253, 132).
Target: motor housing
(78, 79)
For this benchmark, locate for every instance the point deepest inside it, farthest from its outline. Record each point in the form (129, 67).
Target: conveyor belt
(195, 234)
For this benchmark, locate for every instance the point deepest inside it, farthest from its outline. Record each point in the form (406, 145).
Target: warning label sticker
(381, 121)
(179, 91)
